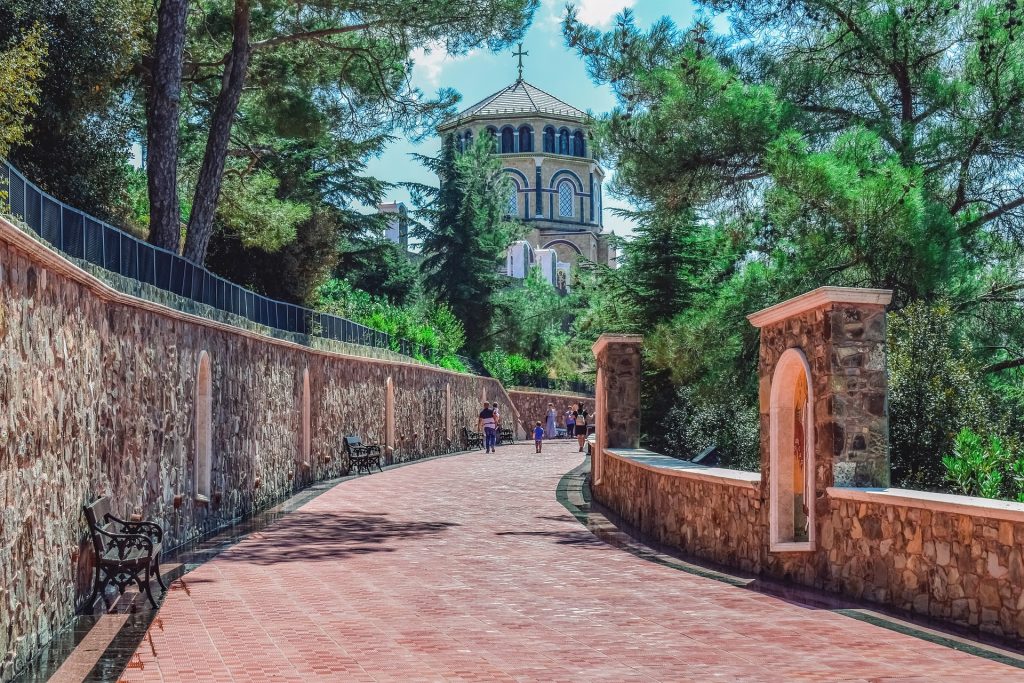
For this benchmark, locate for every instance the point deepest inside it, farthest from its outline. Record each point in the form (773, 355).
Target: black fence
(575, 386)
(79, 235)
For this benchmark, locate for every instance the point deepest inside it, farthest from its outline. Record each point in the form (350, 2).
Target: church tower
(543, 144)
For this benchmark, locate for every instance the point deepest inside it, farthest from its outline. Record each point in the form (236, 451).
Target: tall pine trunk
(204, 204)
(163, 108)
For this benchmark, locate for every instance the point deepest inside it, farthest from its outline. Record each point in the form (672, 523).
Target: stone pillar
(389, 422)
(617, 410)
(835, 337)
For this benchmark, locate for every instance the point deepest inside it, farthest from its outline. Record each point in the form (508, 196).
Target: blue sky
(550, 66)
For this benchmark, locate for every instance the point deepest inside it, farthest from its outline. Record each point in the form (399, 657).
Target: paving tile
(468, 569)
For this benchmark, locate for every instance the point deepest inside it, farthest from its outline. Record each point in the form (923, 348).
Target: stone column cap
(819, 297)
(626, 339)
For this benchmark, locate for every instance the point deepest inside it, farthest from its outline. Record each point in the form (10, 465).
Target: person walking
(487, 425)
(538, 437)
(549, 431)
(580, 415)
(570, 423)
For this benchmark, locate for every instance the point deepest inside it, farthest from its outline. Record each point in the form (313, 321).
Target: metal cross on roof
(520, 54)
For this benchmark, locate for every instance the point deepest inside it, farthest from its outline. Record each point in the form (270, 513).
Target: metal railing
(573, 386)
(76, 234)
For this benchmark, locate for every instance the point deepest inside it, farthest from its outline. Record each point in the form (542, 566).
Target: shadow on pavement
(322, 536)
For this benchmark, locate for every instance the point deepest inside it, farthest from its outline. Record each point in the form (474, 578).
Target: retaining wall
(97, 394)
(532, 405)
(951, 557)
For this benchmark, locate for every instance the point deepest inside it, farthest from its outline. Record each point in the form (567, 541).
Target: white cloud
(430, 61)
(597, 13)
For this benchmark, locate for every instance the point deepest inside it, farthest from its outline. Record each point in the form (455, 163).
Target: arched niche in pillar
(791, 453)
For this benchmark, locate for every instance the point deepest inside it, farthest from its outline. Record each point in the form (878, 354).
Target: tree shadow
(328, 536)
(567, 537)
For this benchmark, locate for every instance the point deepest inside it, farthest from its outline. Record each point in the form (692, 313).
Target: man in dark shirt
(488, 424)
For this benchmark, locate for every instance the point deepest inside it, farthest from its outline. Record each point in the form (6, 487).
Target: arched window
(565, 199)
(549, 140)
(597, 204)
(493, 132)
(513, 200)
(563, 141)
(468, 139)
(578, 145)
(203, 428)
(508, 140)
(525, 139)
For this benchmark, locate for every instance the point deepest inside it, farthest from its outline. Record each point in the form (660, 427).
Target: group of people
(576, 420)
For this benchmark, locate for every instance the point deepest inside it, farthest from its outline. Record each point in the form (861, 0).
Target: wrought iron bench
(126, 552)
(472, 439)
(363, 455)
(506, 435)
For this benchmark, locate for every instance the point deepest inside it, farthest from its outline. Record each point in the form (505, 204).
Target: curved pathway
(467, 568)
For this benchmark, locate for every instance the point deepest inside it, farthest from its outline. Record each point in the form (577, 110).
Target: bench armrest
(144, 527)
(125, 543)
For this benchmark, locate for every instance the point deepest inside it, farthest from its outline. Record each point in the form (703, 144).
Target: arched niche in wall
(203, 428)
(389, 413)
(306, 420)
(791, 454)
(448, 410)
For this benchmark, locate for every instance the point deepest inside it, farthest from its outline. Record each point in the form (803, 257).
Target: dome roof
(519, 98)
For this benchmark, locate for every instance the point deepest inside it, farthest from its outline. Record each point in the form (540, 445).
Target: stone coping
(936, 502)
(819, 297)
(627, 339)
(549, 392)
(47, 257)
(664, 464)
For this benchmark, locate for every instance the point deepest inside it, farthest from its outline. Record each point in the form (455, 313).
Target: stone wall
(950, 557)
(532, 405)
(97, 398)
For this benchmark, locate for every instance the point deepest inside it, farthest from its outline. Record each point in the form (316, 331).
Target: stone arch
(448, 410)
(203, 428)
(508, 140)
(553, 243)
(566, 173)
(306, 420)
(564, 141)
(525, 138)
(791, 454)
(549, 139)
(579, 145)
(520, 178)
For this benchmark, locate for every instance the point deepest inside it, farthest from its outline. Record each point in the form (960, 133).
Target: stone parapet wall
(950, 557)
(532, 405)
(97, 396)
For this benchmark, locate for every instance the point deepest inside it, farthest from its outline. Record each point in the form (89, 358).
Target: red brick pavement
(467, 568)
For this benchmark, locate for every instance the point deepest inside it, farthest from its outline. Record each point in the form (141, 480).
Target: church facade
(543, 144)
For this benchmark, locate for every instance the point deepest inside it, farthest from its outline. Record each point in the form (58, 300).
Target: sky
(550, 66)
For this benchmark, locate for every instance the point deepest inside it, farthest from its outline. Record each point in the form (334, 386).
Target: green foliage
(464, 234)
(984, 467)
(530, 319)
(21, 69)
(935, 391)
(378, 265)
(433, 327)
(819, 144)
(85, 120)
(513, 369)
(251, 209)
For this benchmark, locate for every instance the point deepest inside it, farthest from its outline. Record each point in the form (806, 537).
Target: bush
(936, 390)
(985, 468)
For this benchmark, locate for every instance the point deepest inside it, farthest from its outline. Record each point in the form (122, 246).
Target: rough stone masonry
(97, 398)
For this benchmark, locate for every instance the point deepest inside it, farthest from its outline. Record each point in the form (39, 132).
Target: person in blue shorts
(538, 437)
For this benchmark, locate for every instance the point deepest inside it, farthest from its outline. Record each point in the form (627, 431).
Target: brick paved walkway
(467, 568)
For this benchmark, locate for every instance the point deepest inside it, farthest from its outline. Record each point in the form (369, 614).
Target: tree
(824, 143)
(83, 123)
(20, 73)
(162, 116)
(465, 234)
(378, 265)
(370, 41)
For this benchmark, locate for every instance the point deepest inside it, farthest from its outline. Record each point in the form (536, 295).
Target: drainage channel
(98, 647)
(573, 493)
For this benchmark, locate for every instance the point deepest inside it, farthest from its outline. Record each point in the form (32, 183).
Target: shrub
(986, 468)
